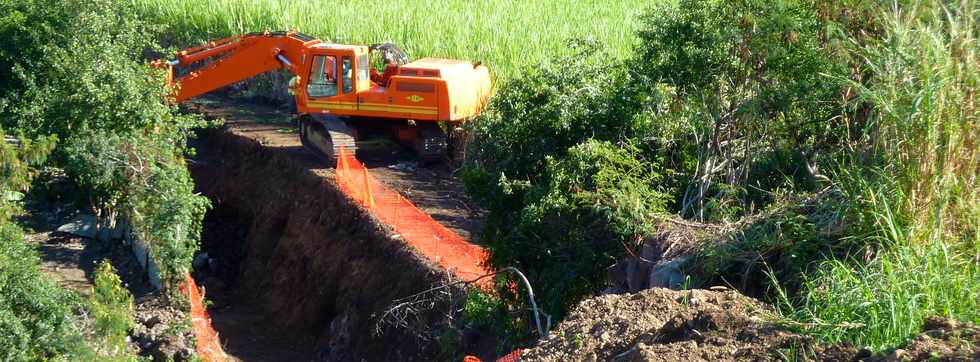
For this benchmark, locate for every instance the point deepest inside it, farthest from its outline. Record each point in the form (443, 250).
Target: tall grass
(504, 34)
(921, 203)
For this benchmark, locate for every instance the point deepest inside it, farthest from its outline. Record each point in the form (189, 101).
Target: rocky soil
(666, 325)
(703, 325)
(69, 253)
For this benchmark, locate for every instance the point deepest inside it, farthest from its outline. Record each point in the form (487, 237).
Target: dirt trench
(295, 269)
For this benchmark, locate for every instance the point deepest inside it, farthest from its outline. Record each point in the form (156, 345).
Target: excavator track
(431, 144)
(324, 136)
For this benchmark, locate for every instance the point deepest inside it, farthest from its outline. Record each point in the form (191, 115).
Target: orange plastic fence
(417, 228)
(208, 344)
(514, 356)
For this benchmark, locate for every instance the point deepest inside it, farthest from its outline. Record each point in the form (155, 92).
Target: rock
(863, 353)
(104, 233)
(152, 321)
(898, 355)
(83, 225)
(668, 274)
(405, 166)
(119, 231)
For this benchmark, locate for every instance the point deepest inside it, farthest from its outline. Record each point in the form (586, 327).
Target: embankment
(314, 262)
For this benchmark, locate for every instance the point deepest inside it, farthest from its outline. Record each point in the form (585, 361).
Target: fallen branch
(403, 308)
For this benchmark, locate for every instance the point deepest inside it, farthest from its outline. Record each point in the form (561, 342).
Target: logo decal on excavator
(415, 98)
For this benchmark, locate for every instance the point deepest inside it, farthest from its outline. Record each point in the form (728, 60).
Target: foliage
(577, 220)
(35, 314)
(79, 74)
(835, 140)
(506, 35)
(111, 306)
(563, 198)
(918, 198)
(757, 91)
(785, 240)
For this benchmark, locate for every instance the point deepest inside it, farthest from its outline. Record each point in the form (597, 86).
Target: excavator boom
(234, 59)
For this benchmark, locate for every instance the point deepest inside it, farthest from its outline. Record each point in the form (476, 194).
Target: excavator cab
(335, 74)
(323, 77)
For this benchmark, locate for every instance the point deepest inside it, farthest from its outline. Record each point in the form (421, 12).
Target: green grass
(922, 207)
(504, 34)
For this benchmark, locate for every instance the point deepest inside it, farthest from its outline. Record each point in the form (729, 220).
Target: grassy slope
(922, 206)
(503, 34)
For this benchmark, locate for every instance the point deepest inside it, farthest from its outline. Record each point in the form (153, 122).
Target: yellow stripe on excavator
(375, 107)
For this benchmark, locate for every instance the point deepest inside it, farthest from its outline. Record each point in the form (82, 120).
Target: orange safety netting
(208, 344)
(513, 356)
(417, 228)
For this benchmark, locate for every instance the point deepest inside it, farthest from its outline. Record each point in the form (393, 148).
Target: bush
(565, 190)
(112, 308)
(756, 90)
(35, 313)
(78, 72)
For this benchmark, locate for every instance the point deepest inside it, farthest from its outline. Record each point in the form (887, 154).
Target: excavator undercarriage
(325, 135)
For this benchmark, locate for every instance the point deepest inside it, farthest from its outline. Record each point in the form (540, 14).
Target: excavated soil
(666, 325)
(295, 269)
(703, 325)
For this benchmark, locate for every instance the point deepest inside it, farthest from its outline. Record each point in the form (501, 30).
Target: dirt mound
(666, 325)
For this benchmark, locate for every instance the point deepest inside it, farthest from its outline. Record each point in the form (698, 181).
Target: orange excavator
(338, 93)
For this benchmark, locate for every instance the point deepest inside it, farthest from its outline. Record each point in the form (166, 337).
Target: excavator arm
(230, 60)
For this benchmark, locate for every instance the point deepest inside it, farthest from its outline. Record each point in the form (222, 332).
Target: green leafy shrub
(36, 315)
(564, 189)
(576, 221)
(112, 309)
(757, 89)
(78, 72)
(36, 318)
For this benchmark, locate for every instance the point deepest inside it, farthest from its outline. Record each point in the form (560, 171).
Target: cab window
(323, 77)
(348, 72)
(363, 68)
